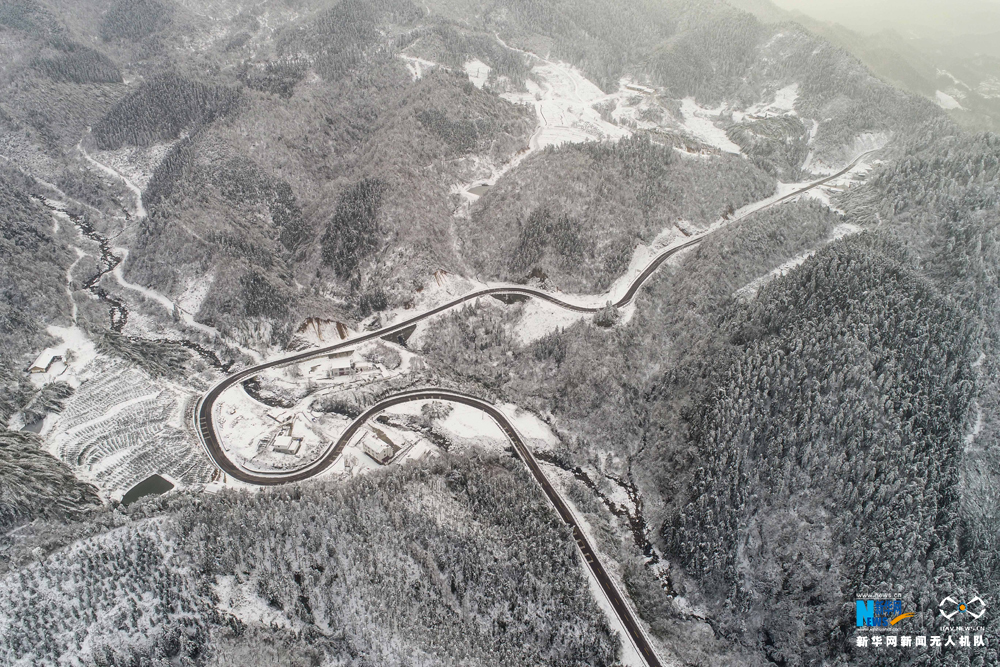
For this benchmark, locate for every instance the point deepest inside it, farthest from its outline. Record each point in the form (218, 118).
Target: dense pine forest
(460, 562)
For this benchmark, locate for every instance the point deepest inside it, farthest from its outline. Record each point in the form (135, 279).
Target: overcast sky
(925, 16)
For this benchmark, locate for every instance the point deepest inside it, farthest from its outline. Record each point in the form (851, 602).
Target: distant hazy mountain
(924, 17)
(947, 52)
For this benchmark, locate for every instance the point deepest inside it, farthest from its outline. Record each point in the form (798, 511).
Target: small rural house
(378, 449)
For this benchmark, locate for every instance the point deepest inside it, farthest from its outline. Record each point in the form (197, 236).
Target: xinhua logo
(880, 613)
(950, 607)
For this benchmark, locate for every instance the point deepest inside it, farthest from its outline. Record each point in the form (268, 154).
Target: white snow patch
(784, 99)
(782, 105)
(466, 421)
(540, 318)
(563, 99)
(140, 211)
(698, 121)
(478, 71)
(844, 229)
(977, 428)
(537, 434)
(164, 301)
(76, 349)
(194, 295)
(418, 66)
(240, 601)
(946, 101)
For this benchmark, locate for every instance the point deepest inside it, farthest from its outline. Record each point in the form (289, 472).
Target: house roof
(379, 446)
(46, 358)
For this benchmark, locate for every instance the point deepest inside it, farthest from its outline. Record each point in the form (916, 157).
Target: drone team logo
(950, 607)
(878, 616)
(880, 613)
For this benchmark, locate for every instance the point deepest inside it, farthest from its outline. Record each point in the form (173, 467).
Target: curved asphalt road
(203, 415)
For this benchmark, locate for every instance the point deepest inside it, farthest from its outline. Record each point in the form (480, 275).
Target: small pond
(154, 485)
(35, 426)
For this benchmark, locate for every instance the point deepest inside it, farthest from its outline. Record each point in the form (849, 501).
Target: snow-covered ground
(242, 601)
(563, 99)
(784, 99)
(478, 71)
(538, 435)
(132, 163)
(417, 66)
(946, 101)
(194, 294)
(540, 318)
(140, 210)
(76, 349)
(783, 104)
(701, 123)
(464, 424)
(468, 423)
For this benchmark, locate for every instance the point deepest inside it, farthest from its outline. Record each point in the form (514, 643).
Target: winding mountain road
(204, 416)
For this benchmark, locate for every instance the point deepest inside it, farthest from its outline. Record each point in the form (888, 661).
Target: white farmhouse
(378, 449)
(286, 444)
(340, 366)
(45, 361)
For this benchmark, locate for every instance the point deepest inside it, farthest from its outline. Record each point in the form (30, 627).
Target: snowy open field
(121, 426)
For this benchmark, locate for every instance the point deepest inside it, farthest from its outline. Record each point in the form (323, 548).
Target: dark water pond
(479, 190)
(35, 426)
(153, 485)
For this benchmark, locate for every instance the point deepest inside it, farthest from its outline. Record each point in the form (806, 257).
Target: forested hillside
(32, 270)
(33, 484)
(812, 441)
(314, 102)
(574, 214)
(833, 441)
(29, 299)
(462, 561)
(801, 407)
